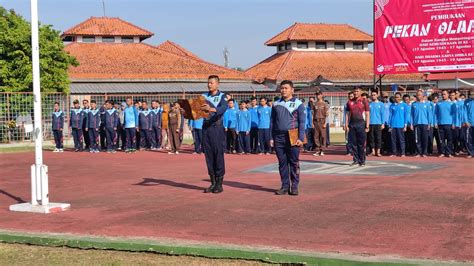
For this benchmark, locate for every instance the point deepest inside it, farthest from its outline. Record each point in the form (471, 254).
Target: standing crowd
(401, 125)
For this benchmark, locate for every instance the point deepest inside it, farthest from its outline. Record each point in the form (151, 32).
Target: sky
(205, 27)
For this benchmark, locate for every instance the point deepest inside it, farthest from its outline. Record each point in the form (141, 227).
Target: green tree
(15, 56)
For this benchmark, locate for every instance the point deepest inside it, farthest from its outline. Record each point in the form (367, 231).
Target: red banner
(423, 36)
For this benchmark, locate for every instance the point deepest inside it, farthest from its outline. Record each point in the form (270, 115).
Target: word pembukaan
(419, 30)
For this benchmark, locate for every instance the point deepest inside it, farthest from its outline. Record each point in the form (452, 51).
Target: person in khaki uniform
(174, 128)
(320, 111)
(165, 140)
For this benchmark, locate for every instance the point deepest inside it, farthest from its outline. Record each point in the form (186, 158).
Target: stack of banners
(424, 36)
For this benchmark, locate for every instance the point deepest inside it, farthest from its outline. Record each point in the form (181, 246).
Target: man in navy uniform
(214, 134)
(288, 113)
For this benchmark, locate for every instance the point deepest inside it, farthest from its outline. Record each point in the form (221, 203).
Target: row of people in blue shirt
(412, 125)
(248, 130)
(108, 123)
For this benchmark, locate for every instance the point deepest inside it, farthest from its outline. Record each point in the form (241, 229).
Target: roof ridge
(292, 32)
(70, 28)
(197, 59)
(133, 25)
(287, 59)
(280, 33)
(117, 18)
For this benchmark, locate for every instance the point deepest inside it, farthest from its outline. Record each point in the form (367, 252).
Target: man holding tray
(213, 139)
(288, 119)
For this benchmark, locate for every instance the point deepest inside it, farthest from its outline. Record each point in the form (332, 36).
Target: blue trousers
(398, 140)
(349, 143)
(197, 137)
(310, 137)
(446, 139)
(94, 138)
(87, 141)
(130, 134)
(288, 161)
(145, 138)
(421, 139)
(213, 143)
(156, 137)
(244, 142)
(358, 137)
(111, 136)
(58, 138)
(77, 137)
(469, 140)
(264, 140)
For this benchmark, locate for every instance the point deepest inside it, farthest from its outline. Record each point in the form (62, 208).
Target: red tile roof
(106, 26)
(140, 61)
(320, 32)
(304, 66)
(176, 49)
(450, 76)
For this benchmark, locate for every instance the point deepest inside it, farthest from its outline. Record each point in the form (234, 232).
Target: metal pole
(41, 191)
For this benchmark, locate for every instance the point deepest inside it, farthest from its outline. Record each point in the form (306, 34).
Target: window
(108, 39)
(321, 45)
(339, 45)
(358, 46)
(88, 39)
(69, 39)
(127, 39)
(302, 45)
(288, 46)
(281, 47)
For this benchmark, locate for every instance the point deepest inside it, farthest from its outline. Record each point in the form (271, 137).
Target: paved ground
(424, 210)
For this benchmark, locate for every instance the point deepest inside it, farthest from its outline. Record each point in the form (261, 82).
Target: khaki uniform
(174, 125)
(320, 112)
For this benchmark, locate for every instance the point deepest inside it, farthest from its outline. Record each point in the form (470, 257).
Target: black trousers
(358, 138)
(213, 142)
(231, 139)
(254, 139)
(446, 139)
(433, 135)
(421, 139)
(410, 145)
(374, 137)
(386, 140)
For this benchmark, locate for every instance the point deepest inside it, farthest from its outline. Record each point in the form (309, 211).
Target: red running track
(425, 214)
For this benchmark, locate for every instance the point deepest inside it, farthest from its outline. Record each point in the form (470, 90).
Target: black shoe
(294, 192)
(362, 164)
(353, 163)
(218, 188)
(212, 186)
(282, 191)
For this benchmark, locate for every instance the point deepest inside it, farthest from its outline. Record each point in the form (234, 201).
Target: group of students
(400, 125)
(128, 126)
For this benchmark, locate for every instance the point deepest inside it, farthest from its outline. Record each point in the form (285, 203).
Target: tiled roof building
(337, 52)
(110, 51)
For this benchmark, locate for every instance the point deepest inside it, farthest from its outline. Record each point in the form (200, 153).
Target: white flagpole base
(49, 208)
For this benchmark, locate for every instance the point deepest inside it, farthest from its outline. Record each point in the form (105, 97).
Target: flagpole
(39, 171)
